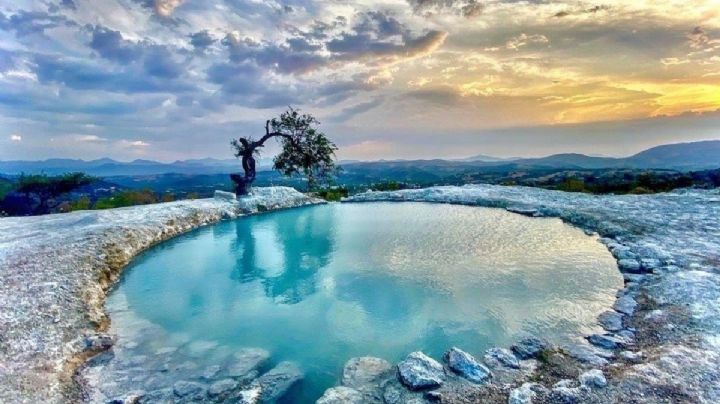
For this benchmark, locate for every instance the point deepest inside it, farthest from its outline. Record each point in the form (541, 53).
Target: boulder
(568, 395)
(502, 356)
(611, 320)
(365, 371)
(278, 380)
(246, 361)
(626, 305)
(99, 342)
(606, 341)
(529, 348)
(341, 395)
(593, 378)
(467, 366)
(160, 396)
(419, 371)
(589, 354)
(629, 265)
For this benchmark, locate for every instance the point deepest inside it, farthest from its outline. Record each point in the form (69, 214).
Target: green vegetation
(127, 198)
(332, 194)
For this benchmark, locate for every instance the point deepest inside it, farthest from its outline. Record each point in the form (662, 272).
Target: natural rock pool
(319, 285)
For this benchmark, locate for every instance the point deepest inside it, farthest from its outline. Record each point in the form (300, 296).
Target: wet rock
(433, 396)
(627, 335)
(593, 378)
(419, 371)
(222, 387)
(588, 354)
(341, 395)
(606, 341)
(529, 348)
(99, 342)
(649, 264)
(629, 265)
(611, 320)
(278, 380)
(502, 356)
(247, 360)
(467, 366)
(625, 304)
(364, 371)
(522, 210)
(189, 390)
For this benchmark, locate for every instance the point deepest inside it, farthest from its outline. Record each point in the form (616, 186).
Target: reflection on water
(290, 253)
(322, 284)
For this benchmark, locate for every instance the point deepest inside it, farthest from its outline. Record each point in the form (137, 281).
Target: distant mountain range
(679, 156)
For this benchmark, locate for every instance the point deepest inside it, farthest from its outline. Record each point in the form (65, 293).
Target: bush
(332, 194)
(127, 198)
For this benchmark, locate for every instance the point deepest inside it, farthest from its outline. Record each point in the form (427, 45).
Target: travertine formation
(662, 339)
(56, 269)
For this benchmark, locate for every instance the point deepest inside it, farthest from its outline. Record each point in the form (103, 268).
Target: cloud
(162, 8)
(201, 40)
(465, 8)
(89, 138)
(523, 39)
(32, 22)
(582, 11)
(111, 45)
(15, 138)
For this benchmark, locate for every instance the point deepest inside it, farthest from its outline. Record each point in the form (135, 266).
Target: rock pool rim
(263, 209)
(202, 212)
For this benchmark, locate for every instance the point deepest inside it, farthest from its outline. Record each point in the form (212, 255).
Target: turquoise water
(320, 285)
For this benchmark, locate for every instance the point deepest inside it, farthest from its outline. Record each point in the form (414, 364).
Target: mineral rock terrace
(662, 339)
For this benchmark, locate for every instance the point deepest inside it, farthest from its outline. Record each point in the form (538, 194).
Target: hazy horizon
(170, 80)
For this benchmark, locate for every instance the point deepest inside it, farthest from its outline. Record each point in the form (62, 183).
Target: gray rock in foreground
(467, 366)
(502, 356)
(419, 371)
(529, 347)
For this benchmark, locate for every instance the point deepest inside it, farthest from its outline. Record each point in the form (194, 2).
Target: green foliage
(572, 185)
(305, 151)
(48, 187)
(332, 194)
(127, 198)
(388, 186)
(82, 203)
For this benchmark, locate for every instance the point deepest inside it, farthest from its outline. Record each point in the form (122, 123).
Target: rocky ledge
(662, 339)
(55, 271)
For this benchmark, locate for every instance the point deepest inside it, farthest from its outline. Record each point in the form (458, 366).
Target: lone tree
(305, 151)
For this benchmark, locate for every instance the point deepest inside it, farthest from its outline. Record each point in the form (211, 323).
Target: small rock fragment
(625, 304)
(593, 378)
(278, 380)
(611, 320)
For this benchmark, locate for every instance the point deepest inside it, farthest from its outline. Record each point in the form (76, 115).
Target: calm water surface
(320, 285)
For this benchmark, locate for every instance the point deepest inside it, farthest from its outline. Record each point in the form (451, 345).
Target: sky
(177, 79)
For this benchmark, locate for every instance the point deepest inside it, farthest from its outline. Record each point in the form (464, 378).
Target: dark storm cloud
(111, 45)
(591, 10)
(201, 40)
